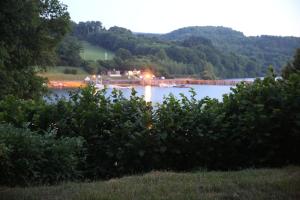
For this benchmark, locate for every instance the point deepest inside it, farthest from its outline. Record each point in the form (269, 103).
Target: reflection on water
(156, 94)
(148, 93)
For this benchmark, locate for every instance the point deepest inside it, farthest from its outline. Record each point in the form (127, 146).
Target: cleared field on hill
(258, 184)
(92, 52)
(57, 73)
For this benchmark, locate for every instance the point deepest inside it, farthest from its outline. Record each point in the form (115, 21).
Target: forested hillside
(203, 52)
(263, 50)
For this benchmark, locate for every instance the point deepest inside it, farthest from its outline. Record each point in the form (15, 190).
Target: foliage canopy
(30, 31)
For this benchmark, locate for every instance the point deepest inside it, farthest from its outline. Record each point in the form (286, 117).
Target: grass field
(92, 52)
(258, 184)
(57, 73)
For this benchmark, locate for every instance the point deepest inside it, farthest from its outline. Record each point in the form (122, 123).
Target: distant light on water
(148, 93)
(156, 94)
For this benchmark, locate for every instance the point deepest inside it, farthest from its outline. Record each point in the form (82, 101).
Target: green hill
(216, 34)
(263, 50)
(206, 52)
(93, 52)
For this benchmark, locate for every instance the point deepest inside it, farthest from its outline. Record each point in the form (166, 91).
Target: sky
(252, 17)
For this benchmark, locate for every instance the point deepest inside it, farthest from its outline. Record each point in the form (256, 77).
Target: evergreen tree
(292, 67)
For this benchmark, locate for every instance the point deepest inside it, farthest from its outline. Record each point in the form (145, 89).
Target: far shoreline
(52, 84)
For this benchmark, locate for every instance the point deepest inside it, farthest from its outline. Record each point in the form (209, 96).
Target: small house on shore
(114, 73)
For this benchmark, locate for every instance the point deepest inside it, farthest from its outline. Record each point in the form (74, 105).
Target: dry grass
(258, 184)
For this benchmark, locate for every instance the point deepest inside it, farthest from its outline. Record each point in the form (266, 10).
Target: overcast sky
(252, 17)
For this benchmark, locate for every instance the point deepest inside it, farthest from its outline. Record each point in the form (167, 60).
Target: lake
(156, 94)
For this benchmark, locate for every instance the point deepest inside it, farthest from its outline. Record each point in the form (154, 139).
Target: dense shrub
(185, 132)
(256, 125)
(28, 157)
(116, 131)
(262, 123)
(17, 111)
(70, 71)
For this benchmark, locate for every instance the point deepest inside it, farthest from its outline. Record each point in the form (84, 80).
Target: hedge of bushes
(256, 125)
(28, 157)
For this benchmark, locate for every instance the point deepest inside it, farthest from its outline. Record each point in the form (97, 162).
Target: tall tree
(208, 72)
(69, 52)
(83, 29)
(30, 31)
(292, 67)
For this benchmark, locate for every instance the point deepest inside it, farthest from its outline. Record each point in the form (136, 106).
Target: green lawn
(57, 73)
(246, 184)
(92, 52)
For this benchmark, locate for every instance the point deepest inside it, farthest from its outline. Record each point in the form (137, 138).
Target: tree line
(204, 52)
(193, 56)
(263, 50)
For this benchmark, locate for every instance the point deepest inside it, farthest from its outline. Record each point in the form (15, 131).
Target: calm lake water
(156, 94)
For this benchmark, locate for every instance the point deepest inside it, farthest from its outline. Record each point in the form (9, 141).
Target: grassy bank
(246, 184)
(57, 73)
(92, 52)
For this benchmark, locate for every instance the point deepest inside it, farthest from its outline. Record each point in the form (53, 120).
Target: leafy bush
(262, 122)
(70, 71)
(185, 132)
(256, 125)
(28, 157)
(116, 129)
(17, 111)
(90, 66)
